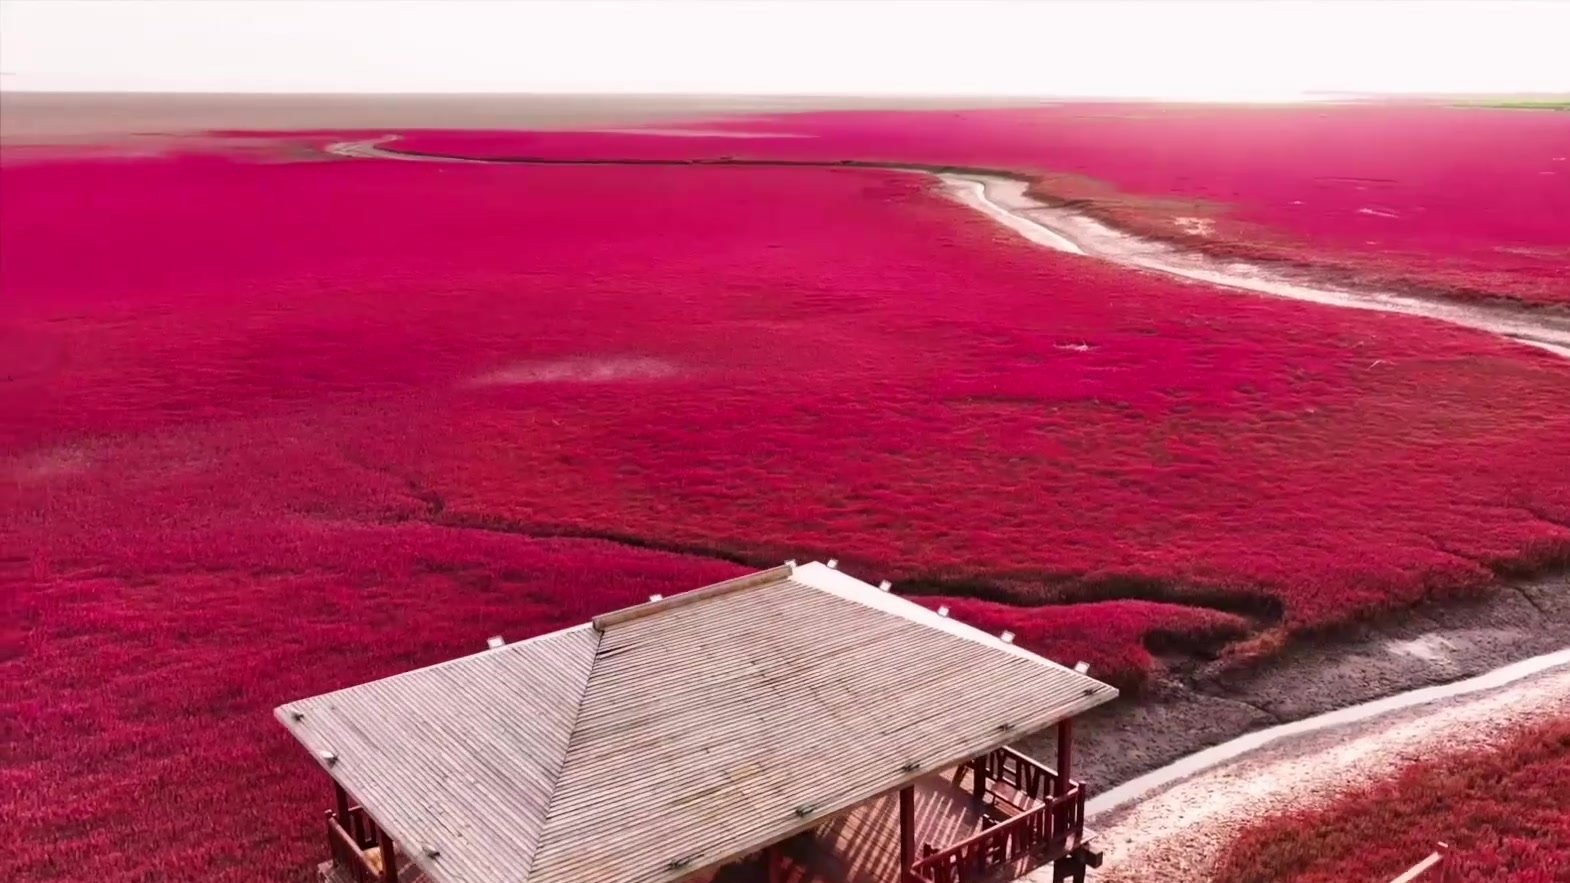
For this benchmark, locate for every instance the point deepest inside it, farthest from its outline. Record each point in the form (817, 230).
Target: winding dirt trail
(1498, 680)
(996, 195)
(1005, 197)
(1181, 831)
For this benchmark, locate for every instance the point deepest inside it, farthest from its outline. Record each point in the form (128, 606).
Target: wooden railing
(354, 838)
(1019, 772)
(1029, 823)
(1043, 834)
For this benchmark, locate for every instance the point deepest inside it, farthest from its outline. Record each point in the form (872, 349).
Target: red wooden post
(1065, 756)
(342, 804)
(978, 785)
(907, 831)
(1062, 816)
(389, 856)
(772, 857)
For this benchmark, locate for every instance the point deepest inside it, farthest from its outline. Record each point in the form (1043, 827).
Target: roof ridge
(281, 711)
(599, 625)
(572, 736)
(660, 604)
(841, 584)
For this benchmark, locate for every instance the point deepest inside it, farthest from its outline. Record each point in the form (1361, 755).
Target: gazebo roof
(677, 735)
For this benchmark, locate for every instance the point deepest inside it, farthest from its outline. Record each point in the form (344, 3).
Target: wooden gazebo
(795, 724)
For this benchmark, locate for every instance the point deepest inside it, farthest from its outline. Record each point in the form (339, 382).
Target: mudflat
(32, 117)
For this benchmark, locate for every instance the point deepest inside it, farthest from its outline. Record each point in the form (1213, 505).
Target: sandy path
(1004, 197)
(1180, 832)
(1009, 197)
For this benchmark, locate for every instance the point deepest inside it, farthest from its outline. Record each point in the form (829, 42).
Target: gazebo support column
(342, 803)
(771, 857)
(1065, 756)
(907, 831)
(389, 856)
(1064, 868)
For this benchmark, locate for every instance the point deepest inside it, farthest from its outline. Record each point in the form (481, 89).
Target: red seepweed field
(271, 428)
(1466, 202)
(1501, 809)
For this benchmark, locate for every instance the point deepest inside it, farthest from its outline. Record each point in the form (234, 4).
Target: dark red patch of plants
(1501, 809)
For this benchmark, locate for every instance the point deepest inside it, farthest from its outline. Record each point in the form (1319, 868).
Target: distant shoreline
(42, 115)
(32, 116)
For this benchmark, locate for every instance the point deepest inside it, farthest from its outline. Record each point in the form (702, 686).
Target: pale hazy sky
(1243, 49)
